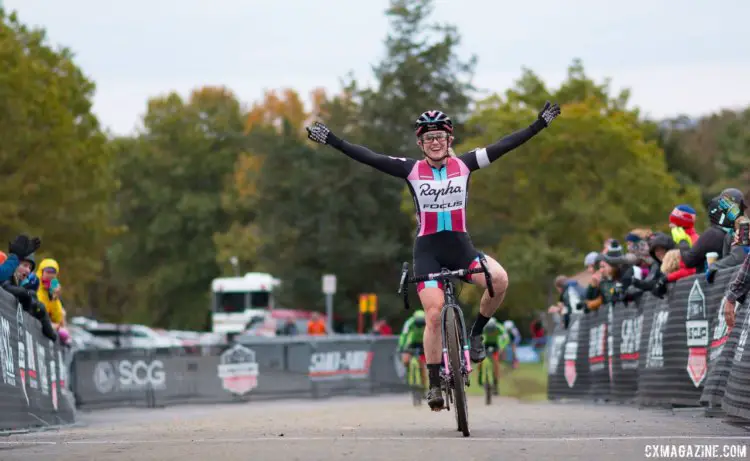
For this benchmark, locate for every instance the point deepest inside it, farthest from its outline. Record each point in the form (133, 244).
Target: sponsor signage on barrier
(238, 370)
(32, 390)
(259, 369)
(129, 375)
(655, 352)
(630, 342)
(340, 364)
(597, 338)
(696, 327)
(557, 346)
(720, 332)
(571, 351)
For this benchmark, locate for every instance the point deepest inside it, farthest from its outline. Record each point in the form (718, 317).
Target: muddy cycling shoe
(435, 399)
(476, 350)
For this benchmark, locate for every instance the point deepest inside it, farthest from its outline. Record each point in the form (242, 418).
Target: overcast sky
(688, 57)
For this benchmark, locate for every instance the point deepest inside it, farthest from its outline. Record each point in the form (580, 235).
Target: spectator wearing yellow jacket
(49, 291)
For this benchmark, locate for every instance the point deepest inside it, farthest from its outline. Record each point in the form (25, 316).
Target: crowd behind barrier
(676, 351)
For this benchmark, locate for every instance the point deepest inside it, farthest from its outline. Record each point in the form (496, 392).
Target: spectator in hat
(21, 247)
(638, 249)
(722, 213)
(737, 197)
(656, 282)
(49, 291)
(737, 253)
(591, 262)
(682, 225)
(28, 298)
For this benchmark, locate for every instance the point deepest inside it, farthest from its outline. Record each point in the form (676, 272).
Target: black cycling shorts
(450, 250)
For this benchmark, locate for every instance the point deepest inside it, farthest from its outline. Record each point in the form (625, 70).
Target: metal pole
(329, 314)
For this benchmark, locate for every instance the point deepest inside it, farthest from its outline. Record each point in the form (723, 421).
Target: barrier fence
(34, 376)
(263, 369)
(670, 352)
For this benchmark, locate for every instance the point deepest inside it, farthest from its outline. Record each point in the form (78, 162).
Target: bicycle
(487, 377)
(414, 376)
(454, 376)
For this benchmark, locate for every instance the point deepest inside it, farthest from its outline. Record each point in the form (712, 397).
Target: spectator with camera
(723, 211)
(737, 252)
(28, 298)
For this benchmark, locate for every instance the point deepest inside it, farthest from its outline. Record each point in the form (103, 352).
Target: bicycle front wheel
(452, 328)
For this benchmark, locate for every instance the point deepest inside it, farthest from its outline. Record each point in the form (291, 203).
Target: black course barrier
(262, 368)
(33, 386)
(675, 351)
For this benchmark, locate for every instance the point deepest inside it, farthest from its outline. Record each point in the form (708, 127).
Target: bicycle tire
(415, 381)
(488, 382)
(454, 357)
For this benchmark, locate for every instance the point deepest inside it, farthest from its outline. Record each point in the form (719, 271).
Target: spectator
(316, 326)
(538, 337)
(682, 225)
(722, 212)
(739, 198)
(28, 299)
(571, 294)
(738, 252)
(656, 282)
(49, 291)
(614, 276)
(637, 244)
(591, 262)
(20, 248)
(289, 328)
(382, 328)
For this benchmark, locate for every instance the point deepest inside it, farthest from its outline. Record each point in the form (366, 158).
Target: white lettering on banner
(139, 375)
(335, 365)
(597, 336)
(630, 342)
(42, 361)
(555, 353)
(53, 377)
(720, 333)
(21, 353)
(62, 370)
(655, 353)
(238, 370)
(697, 333)
(740, 349)
(6, 354)
(610, 340)
(571, 352)
(31, 361)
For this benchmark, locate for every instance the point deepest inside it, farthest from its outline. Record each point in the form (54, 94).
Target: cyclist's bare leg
(432, 302)
(487, 306)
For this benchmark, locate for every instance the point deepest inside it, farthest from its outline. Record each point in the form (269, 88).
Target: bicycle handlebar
(443, 275)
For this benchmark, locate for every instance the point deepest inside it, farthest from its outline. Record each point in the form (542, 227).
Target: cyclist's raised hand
(549, 113)
(318, 133)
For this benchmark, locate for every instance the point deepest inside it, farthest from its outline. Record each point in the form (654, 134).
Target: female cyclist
(439, 185)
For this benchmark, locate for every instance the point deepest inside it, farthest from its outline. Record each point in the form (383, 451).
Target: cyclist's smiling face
(435, 144)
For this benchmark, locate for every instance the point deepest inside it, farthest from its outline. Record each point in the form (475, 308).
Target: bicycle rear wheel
(453, 335)
(489, 381)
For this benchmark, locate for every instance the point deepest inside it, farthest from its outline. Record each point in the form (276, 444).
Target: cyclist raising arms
(439, 184)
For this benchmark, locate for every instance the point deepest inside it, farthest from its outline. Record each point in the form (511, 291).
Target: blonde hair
(671, 262)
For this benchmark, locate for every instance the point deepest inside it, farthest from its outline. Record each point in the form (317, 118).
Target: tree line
(142, 223)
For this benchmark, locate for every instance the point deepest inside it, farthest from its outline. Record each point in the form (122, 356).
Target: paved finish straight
(371, 428)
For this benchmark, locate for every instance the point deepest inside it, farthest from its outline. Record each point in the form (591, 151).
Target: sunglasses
(439, 136)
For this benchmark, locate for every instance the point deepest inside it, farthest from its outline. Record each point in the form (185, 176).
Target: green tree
(589, 176)
(172, 180)
(733, 157)
(56, 163)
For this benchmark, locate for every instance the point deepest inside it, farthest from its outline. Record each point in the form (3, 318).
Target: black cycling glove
(319, 133)
(549, 113)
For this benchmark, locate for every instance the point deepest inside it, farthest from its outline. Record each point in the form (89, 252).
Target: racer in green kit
(410, 341)
(495, 338)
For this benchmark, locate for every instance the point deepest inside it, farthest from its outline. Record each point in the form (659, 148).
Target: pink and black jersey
(440, 194)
